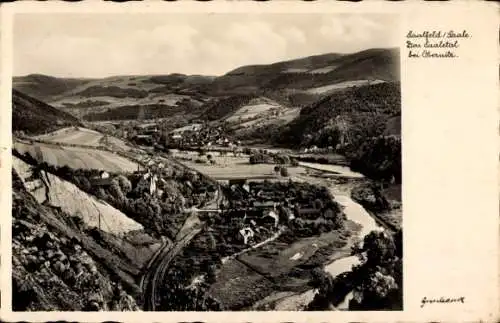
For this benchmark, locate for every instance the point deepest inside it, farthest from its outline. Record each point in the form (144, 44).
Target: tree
(101, 194)
(284, 172)
(124, 184)
(209, 157)
(380, 248)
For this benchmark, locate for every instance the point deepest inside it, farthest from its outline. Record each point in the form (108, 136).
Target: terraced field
(77, 157)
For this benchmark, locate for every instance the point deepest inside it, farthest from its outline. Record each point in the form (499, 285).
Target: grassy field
(82, 136)
(238, 286)
(251, 111)
(276, 270)
(77, 157)
(228, 167)
(71, 135)
(279, 257)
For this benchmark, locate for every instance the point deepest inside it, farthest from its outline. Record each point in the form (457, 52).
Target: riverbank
(340, 181)
(356, 213)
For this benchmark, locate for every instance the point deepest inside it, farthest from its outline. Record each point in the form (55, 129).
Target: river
(355, 213)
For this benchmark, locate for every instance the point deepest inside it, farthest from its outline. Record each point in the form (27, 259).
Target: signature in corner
(441, 300)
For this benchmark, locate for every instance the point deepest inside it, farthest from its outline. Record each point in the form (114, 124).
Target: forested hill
(313, 71)
(220, 108)
(355, 113)
(33, 116)
(44, 87)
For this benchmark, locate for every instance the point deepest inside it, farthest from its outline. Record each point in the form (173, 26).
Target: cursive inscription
(441, 300)
(434, 43)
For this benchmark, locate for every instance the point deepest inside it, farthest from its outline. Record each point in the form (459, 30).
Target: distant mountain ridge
(44, 87)
(294, 84)
(313, 71)
(33, 116)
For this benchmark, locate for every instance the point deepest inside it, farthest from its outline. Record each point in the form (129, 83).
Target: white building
(247, 233)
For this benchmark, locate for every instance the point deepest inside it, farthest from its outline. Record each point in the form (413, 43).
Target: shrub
(282, 159)
(284, 172)
(260, 158)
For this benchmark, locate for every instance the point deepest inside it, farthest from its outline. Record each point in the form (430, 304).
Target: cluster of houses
(145, 132)
(261, 211)
(198, 135)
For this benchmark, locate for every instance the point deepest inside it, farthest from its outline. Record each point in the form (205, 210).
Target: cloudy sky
(99, 45)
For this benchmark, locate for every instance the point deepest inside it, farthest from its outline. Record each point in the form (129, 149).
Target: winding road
(155, 275)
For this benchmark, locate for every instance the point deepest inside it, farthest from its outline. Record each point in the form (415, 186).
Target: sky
(100, 45)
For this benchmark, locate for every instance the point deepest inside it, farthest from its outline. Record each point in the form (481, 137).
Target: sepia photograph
(206, 162)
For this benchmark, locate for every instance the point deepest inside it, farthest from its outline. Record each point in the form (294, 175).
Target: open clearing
(82, 136)
(252, 111)
(74, 157)
(342, 85)
(228, 167)
(323, 70)
(71, 135)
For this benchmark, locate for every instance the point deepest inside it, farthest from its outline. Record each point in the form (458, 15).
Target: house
(247, 234)
(146, 139)
(102, 180)
(147, 128)
(264, 205)
(271, 217)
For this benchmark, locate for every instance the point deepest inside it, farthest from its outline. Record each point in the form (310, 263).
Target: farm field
(251, 111)
(279, 257)
(71, 135)
(81, 136)
(277, 270)
(228, 167)
(75, 157)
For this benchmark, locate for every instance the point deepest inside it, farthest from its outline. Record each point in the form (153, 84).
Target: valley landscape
(269, 187)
